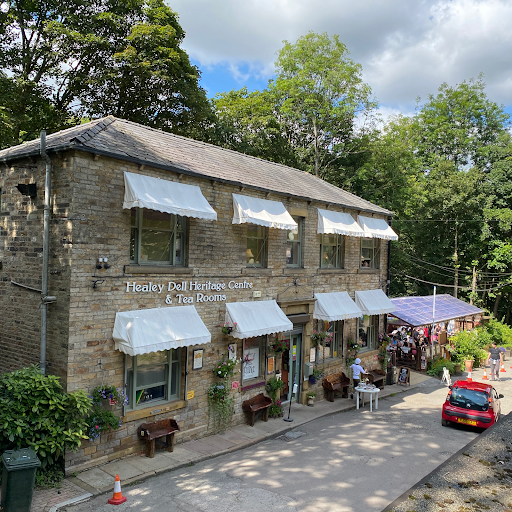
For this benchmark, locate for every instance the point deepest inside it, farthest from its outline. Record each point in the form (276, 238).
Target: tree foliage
(64, 60)
(313, 115)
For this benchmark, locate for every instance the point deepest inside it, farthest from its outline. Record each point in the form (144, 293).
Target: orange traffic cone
(502, 368)
(470, 378)
(118, 497)
(485, 374)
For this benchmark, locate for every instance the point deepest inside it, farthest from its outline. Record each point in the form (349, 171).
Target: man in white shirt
(357, 371)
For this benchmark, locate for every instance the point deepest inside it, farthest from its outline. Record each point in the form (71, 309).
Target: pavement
(134, 469)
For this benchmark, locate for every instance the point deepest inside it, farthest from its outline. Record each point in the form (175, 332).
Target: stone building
(155, 242)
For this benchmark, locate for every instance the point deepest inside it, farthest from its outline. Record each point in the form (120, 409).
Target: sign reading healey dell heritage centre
(189, 291)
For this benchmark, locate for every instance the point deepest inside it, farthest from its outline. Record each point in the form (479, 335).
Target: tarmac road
(352, 461)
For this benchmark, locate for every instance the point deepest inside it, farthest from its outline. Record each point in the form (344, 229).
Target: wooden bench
(255, 404)
(377, 377)
(152, 432)
(336, 382)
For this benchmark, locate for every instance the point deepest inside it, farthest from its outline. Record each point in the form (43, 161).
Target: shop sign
(190, 395)
(294, 353)
(190, 292)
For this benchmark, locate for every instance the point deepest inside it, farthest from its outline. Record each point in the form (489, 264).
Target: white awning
(338, 223)
(374, 302)
(335, 306)
(376, 228)
(165, 196)
(271, 214)
(152, 330)
(256, 318)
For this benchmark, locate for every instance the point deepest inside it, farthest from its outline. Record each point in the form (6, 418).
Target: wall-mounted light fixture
(102, 263)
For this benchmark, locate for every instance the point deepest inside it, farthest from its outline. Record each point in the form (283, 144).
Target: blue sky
(406, 48)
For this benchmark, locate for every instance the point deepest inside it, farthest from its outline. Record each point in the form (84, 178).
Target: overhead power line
(398, 272)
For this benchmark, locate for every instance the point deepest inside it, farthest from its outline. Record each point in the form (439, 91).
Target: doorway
(291, 365)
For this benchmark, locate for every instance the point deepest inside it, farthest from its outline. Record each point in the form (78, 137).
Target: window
(251, 362)
(331, 348)
(367, 327)
(157, 237)
(331, 251)
(294, 244)
(256, 245)
(370, 252)
(152, 377)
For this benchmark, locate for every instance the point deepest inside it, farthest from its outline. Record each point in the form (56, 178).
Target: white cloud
(407, 48)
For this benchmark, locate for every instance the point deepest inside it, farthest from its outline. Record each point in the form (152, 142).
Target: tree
(96, 57)
(314, 115)
(322, 93)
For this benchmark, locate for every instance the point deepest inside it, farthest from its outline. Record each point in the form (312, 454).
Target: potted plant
(468, 362)
(317, 375)
(318, 338)
(353, 346)
(228, 327)
(280, 345)
(108, 397)
(224, 369)
(311, 398)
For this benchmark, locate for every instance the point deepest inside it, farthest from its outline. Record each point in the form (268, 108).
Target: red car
(471, 403)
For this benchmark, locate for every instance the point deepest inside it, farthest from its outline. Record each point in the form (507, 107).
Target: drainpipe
(46, 250)
(388, 280)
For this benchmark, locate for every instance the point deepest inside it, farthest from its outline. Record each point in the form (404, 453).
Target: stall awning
(374, 302)
(152, 330)
(165, 196)
(256, 318)
(335, 306)
(417, 311)
(376, 228)
(271, 214)
(338, 223)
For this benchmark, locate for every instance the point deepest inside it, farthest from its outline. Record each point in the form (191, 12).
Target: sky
(407, 48)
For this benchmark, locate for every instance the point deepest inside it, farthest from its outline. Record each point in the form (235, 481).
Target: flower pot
(107, 404)
(311, 401)
(469, 364)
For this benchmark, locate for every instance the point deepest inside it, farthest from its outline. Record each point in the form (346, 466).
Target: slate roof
(136, 143)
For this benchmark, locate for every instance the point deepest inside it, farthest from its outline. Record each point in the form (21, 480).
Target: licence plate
(466, 422)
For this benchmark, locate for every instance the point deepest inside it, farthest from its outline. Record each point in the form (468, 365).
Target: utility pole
(473, 287)
(456, 259)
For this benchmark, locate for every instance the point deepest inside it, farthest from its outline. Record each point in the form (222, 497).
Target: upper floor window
(256, 245)
(157, 237)
(370, 252)
(294, 244)
(331, 251)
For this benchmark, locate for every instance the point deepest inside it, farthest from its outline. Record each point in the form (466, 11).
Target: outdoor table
(372, 391)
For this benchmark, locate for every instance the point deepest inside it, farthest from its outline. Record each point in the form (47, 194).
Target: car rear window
(469, 399)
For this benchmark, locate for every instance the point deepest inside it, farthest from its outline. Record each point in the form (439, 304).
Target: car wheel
(445, 423)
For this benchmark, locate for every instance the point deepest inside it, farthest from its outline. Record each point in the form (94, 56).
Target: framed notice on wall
(271, 365)
(198, 359)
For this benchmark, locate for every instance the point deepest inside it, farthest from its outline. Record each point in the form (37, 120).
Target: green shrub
(50, 476)
(435, 368)
(36, 413)
(500, 333)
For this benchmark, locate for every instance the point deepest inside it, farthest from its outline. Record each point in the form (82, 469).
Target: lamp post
(294, 390)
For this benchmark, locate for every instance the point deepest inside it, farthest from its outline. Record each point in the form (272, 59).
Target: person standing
(495, 357)
(357, 370)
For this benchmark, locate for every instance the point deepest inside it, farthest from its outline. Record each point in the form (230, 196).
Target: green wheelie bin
(18, 479)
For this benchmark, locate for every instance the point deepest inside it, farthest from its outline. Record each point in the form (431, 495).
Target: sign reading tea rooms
(188, 292)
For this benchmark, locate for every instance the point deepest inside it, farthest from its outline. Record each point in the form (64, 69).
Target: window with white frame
(331, 251)
(252, 358)
(294, 244)
(367, 329)
(333, 346)
(157, 238)
(153, 377)
(256, 245)
(370, 252)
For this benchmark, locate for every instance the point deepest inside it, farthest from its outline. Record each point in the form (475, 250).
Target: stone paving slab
(180, 455)
(96, 477)
(124, 467)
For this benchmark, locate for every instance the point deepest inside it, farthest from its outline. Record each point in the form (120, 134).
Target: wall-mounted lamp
(27, 190)
(96, 282)
(102, 263)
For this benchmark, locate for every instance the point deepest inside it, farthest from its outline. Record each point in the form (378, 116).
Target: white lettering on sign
(189, 286)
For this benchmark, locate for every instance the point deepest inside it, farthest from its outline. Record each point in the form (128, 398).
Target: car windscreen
(470, 399)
